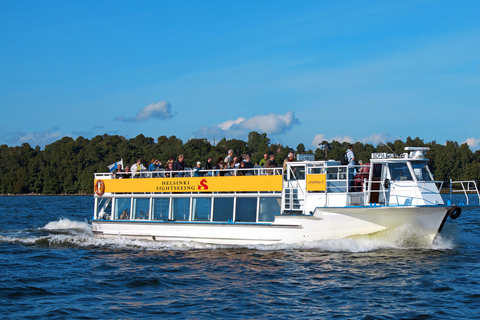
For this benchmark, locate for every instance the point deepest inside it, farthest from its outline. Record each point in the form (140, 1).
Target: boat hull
(325, 223)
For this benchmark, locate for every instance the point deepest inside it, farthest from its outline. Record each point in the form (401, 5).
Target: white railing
(189, 172)
(469, 186)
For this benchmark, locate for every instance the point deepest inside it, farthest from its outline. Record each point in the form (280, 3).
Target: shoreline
(41, 194)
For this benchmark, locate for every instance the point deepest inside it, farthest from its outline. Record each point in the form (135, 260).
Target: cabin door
(375, 182)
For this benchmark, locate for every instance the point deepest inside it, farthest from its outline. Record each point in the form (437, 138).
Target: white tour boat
(312, 200)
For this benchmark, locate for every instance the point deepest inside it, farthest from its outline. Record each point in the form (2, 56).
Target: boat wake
(68, 233)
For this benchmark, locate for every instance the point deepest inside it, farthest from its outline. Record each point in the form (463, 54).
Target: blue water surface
(52, 267)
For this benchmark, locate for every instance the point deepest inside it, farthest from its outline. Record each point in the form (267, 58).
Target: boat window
(108, 209)
(141, 208)
(246, 210)
(222, 209)
(122, 208)
(399, 171)
(298, 172)
(332, 173)
(161, 207)
(377, 170)
(181, 209)
(268, 208)
(421, 171)
(201, 209)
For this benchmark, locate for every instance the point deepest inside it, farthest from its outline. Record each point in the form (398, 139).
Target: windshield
(421, 171)
(399, 171)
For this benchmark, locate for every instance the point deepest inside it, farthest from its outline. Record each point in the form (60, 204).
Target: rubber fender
(454, 212)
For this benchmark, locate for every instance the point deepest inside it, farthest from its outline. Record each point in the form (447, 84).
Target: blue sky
(301, 71)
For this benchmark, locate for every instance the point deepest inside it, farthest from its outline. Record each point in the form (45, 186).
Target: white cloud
(473, 143)
(377, 138)
(321, 137)
(374, 139)
(40, 138)
(160, 110)
(238, 128)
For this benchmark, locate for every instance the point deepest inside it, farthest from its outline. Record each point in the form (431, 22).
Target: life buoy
(454, 212)
(99, 188)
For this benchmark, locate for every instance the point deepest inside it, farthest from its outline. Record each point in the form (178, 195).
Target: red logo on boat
(203, 184)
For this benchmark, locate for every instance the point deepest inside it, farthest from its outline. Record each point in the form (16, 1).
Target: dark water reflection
(52, 267)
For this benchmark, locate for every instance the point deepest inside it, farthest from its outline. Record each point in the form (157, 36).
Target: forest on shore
(67, 166)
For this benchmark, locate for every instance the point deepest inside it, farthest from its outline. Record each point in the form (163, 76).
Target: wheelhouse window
(399, 171)
(421, 171)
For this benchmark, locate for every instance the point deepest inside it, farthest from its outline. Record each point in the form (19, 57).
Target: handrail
(162, 173)
(465, 191)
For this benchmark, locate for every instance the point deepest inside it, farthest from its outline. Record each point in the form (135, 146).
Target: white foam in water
(79, 233)
(66, 224)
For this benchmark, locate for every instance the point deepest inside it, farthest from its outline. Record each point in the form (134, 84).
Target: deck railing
(189, 172)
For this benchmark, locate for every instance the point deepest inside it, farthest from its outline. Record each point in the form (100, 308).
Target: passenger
(242, 172)
(117, 173)
(236, 162)
(229, 157)
(124, 215)
(137, 168)
(361, 174)
(152, 166)
(197, 171)
(127, 172)
(221, 166)
(169, 168)
(180, 165)
(230, 165)
(142, 215)
(270, 163)
(262, 162)
(248, 165)
(208, 166)
(170, 159)
(290, 158)
(351, 167)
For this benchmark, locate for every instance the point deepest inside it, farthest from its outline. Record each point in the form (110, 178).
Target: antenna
(390, 148)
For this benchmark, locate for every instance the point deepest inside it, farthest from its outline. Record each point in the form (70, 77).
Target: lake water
(52, 267)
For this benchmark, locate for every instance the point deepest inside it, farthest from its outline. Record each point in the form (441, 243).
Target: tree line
(67, 166)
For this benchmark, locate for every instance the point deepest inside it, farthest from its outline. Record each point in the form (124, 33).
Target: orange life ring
(99, 188)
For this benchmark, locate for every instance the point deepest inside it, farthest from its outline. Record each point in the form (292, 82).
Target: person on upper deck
(248, 165)
(350, 156)
(229, 157)
(271, 163)
(351, 167)
(179, 165)
(169, 168)
(208, 166)
(117, 173)
(241, 172)
(221, 165)
(262, 162)
(136, 168)
(290, 158)
(197, 171)
(236, 162)
(127, 172)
